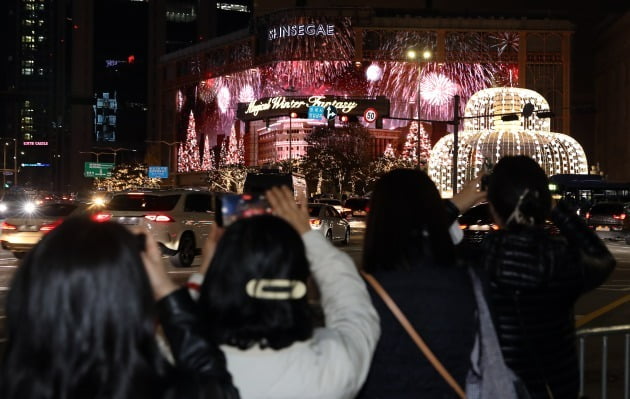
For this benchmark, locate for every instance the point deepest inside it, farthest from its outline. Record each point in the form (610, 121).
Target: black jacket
(200, 370)
(534, 280)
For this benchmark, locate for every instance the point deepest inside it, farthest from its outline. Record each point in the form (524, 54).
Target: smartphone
(232, 207)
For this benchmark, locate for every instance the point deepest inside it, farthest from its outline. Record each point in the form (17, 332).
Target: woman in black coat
(408, 249)
(82, 313)
(535, 278)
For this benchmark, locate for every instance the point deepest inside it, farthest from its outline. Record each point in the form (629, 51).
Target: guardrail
(605, 333)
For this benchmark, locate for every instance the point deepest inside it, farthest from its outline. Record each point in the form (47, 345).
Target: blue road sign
(330, 112)
(158, 172)
(315, 112)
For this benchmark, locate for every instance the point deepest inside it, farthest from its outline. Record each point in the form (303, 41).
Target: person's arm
(470, 195)
(596, 260)
(349, 314)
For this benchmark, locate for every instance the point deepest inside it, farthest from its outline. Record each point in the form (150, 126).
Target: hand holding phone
(232, 207)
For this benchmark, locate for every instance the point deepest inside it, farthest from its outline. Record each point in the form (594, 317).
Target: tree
(188, 154)
(208, 155)
(336, 155)
(410, 147)
(228, 178)
(127, 177)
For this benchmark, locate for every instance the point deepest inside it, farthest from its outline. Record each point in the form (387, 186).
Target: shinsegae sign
(279, 32)
(270, 107)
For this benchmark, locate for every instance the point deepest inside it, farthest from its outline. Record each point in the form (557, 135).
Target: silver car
(178, 219)
(325, 219)
(23, 230)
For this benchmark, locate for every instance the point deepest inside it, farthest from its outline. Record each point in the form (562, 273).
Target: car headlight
(3, 207)
(29, 207)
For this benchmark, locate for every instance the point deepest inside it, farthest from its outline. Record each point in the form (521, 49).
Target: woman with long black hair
(81, 322)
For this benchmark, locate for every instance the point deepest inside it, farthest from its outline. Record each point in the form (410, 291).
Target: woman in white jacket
(253, 300)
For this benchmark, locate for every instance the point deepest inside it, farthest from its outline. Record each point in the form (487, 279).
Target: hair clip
(276, 289)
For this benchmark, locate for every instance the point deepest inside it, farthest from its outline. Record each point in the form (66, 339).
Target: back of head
(518, 191)
(254, 290)
(406, 223)
(79, 316)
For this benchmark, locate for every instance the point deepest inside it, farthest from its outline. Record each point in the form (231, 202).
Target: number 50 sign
(370, 115)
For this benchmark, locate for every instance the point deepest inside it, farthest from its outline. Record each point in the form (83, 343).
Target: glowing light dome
(486, 136)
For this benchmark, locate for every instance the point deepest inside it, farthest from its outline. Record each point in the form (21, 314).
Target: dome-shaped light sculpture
(488, 135)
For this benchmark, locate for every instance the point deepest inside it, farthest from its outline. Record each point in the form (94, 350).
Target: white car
(325, 219)
(179, 219)
(22, 231)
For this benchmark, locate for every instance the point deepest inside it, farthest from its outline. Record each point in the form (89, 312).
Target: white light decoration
(486, 136)
(223, 99)
(247, 94)
(373, 73)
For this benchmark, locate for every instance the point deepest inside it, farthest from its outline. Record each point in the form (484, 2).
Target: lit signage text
(301, 30)
(35, 143)
(282, 103)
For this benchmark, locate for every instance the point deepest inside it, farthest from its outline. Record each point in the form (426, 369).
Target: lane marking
(593, 315)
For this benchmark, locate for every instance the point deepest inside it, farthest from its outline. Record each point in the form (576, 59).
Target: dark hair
(79, 318)
(519, 181)
(258, 247)
(406, 223)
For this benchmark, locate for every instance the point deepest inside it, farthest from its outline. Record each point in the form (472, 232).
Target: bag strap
(413, 334)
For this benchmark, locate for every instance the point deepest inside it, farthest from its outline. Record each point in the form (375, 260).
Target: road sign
(158, 172)
(95, 169)
(315, 112)
(370, 115)
(330, 112)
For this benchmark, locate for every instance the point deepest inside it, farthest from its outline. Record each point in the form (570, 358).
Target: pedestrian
(254, 296)
(81, 322)
(535, 277)
(409, 250)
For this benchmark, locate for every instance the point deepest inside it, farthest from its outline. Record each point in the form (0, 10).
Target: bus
(584, 191)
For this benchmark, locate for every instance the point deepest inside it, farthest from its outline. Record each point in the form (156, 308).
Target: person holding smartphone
(254, 301)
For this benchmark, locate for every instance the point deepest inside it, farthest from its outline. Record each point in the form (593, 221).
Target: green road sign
(95, 169)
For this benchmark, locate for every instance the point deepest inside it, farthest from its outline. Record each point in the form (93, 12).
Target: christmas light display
(188, 154)
(485, 136)
(410, 147)
(207, 161)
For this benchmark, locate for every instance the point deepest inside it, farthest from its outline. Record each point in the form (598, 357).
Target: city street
(606, 306)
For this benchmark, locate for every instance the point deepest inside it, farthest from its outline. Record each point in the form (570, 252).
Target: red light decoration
(131, 59)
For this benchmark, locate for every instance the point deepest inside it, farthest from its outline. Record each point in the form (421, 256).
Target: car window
(56, 210)
(198, 203)
(145, 202)
(313, 210)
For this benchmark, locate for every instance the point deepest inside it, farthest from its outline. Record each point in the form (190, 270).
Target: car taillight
(316, 222)
(588, 215)
(7, 226)
(494, 226)
(101, 217)
(159, 218)
(45, 228)
(619, 217)
(463, 226)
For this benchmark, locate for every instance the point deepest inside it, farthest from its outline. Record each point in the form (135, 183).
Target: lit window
(28, 22)
(27, 71)
(28, 39)
(40, 38)
(232, 7)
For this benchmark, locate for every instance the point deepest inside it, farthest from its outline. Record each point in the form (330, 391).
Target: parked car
(179, 218)
(476, 223)
(610, 220)
(325, 219)
(331, 201)
(357, 208)
(16, 203)
(22, 231)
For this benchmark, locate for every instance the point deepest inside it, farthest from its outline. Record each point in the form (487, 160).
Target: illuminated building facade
(343, 53)
(486, 138)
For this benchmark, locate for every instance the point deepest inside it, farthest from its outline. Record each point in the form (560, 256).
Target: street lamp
(99, 153)
(416, 56)
(116, 150)
(291, 116)
(4, 167)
